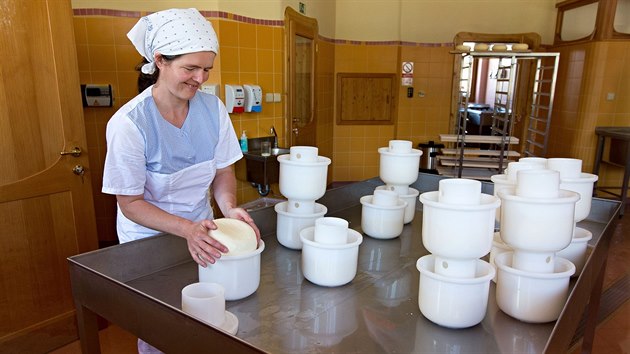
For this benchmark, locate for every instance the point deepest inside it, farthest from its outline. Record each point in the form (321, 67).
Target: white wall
(424, 21)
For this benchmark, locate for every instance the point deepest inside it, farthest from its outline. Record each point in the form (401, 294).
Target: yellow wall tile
(247, 59)
(229, 59)
(80, 32)
(228, 34)
(83, 57)
(246, 35)
(264, 60)
(102, 57)
(264, 37)
(278, 38)
(127, 85)
(120, 27)
(100, 30)
(127, 57)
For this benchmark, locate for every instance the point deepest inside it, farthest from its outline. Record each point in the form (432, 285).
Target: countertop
(137, 285)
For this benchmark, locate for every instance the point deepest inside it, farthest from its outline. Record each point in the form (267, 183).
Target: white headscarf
(172, 32)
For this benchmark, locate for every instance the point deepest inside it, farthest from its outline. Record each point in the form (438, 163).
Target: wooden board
(366, 98)
(478, 152)
(479, 162)
(481, 139)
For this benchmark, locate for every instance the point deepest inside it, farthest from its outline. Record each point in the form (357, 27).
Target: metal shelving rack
(542, 104)
(500, 138)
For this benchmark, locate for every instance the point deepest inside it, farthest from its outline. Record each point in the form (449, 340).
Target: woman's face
(183, 76)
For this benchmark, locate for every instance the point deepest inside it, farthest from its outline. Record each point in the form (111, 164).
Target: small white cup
(206, 301)
(331, 231)
(459, 191)
(539, 183)
(303, 153)
(568, 168)
(383, 197)
(400, 146)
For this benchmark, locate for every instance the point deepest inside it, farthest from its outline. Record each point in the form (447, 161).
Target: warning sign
(407, 73)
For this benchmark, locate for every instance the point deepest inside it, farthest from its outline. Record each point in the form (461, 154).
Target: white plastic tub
(532, 297)
(382, 222)
(537, 224)
(458, 231)
(453, 302)
(289, 225)
(239, 275)
(329, 265)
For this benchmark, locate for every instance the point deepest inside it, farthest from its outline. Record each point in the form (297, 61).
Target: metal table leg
(598, 160)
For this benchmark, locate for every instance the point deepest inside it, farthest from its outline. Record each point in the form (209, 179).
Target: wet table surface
(376, 312)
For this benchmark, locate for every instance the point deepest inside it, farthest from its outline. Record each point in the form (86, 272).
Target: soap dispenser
(243, 142)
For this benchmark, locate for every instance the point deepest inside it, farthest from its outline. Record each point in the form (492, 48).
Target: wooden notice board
(366, 98)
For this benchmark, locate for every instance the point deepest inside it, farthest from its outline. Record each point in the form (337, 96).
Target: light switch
(212, 89)
(276, 97)
(269, 97)
(610, 96)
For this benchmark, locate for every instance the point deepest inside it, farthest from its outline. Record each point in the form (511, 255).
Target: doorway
(484, 78)
(300, 73)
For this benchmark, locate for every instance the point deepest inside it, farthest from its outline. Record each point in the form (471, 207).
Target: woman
(169, 144)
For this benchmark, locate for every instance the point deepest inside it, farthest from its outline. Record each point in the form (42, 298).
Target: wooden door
(46, 211)
(300, 48)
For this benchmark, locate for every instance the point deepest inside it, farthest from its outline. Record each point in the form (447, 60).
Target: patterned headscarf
(172, 32)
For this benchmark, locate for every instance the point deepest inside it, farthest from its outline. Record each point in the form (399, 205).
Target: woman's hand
(241, 214)
(203, 248)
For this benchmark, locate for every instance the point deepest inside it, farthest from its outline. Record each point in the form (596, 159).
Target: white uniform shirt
(172, 167)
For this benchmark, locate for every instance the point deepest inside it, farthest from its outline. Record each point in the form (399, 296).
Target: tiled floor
(611, 337)
(613, 333)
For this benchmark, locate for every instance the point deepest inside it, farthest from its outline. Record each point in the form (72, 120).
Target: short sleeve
(228, 149)
(124, 172)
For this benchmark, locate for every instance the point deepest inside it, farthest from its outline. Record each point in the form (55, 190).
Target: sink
(263, 171)
(257, 154)
(279, 151)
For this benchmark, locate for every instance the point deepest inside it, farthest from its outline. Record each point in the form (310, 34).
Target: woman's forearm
(138, 210)
(224, 189)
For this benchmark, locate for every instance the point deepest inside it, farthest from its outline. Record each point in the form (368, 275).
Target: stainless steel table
(137, 286)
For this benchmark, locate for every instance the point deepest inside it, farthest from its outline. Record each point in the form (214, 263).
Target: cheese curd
(236, 235)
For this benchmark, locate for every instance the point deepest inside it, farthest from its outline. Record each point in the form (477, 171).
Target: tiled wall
(105, 56)
(588, 72)
(325, 90)
(419, 119)
(252, 52)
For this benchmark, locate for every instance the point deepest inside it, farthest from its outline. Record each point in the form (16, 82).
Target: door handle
(76, 152)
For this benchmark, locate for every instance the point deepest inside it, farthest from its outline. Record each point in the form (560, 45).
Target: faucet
(275, 135)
